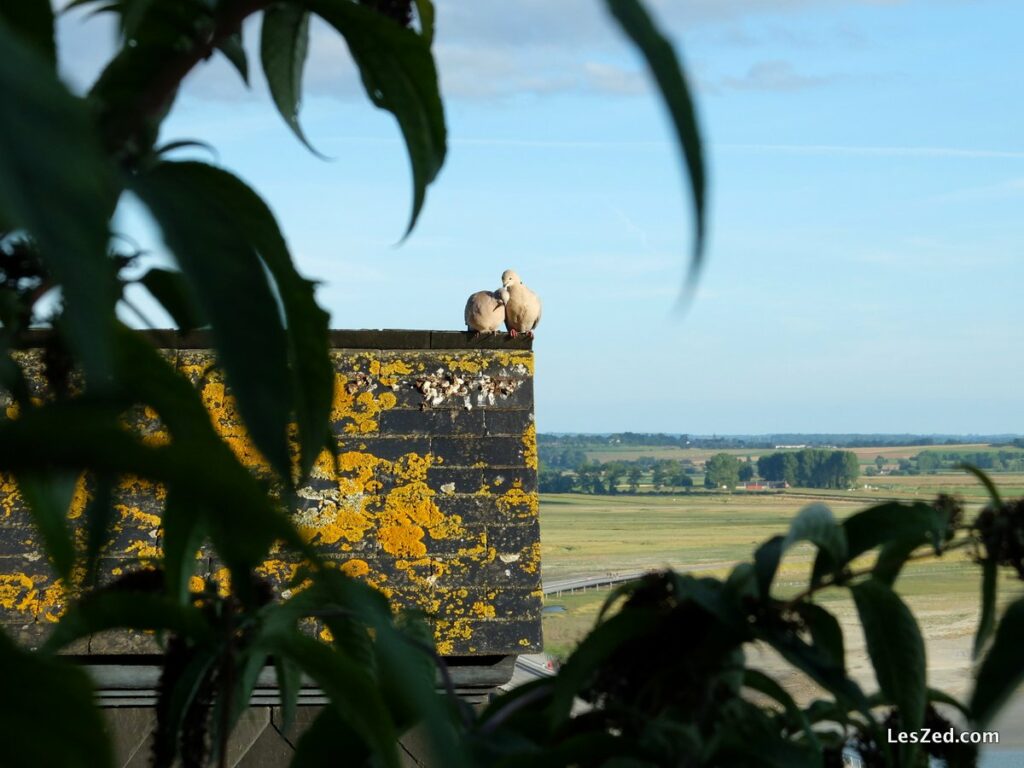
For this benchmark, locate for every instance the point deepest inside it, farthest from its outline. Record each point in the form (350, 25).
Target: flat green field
(589, 535)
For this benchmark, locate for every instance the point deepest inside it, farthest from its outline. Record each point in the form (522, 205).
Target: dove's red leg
(513, 332)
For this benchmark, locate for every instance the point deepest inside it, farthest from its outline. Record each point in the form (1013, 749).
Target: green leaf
(327, 737)
(118, 608)
(207, 236)
(32, 20)
(284, 43)
(668, 73)
(48, 714)
(172, 290)
(826, 634)
(1002, 669)
(99, 518)
(891, 559)
(353, 693)
(184, 527)
(234, 52)
(987, 621)
(425, 12)
(891, 522)
(990, 486)
(604, 640)
(896, 649)
(176, 697)
(759, 681)
(814, 523)
(55, 183)
(288, 679)
(817, 663)
(48, 495)
(312, 374)
(399, 75)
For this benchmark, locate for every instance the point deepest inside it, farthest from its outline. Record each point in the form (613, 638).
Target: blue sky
(867, 184)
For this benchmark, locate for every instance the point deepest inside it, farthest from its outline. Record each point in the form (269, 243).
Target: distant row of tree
(617, 477)
(811, 468)
(991, 461)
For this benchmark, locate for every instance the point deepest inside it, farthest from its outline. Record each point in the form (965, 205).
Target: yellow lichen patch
(196, 584)
(463, 363)
(517, 501)
(530, 447)
(512, 359)
(402, 540)
(388, 373)
(134, 514)
(358, 411)
(13, 411)
(355, 568)
(144, 550)
(325, 635)
(223, 410)
(79, 499)
(532, 562)
(19, 592)
(483, 610)
(222, 579)
(10, 496)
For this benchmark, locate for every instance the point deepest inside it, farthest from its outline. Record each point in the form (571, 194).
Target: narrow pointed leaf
(234, 52)
(668, 73)
(425, 13)
(352, 692)
(171, 289)
(203, 231)
(1002, 669)
(987, 620)
(99, 518)
(184, 526)
(399, 75)
(762, 683)
(288, 677)
(896, 649)
(48, 495)
(55, 183)
(284, 43)
(814, 523)
(312, 375)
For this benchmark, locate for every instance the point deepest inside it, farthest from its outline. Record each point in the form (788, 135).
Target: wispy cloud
(776, 76)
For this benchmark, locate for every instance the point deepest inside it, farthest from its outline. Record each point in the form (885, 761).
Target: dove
(485, 310)
(522, 310)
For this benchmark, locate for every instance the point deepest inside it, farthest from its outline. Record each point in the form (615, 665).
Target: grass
(585, 535)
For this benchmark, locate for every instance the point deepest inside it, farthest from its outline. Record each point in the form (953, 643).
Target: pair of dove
(513, 304)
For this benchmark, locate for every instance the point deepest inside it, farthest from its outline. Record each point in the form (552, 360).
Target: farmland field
(707, 533)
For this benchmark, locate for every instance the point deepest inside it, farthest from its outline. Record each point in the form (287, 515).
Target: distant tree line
(992, 461)
(811, 468)
(567, 475)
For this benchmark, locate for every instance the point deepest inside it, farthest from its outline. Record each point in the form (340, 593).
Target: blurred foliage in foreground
(663, 673)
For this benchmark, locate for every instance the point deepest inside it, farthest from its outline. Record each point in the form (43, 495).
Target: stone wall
(429, 493)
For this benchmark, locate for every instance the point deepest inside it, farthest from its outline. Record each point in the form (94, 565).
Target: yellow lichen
(355, 568)
(530, 447)
(483, 610)
(517, 501)
(79, 499)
